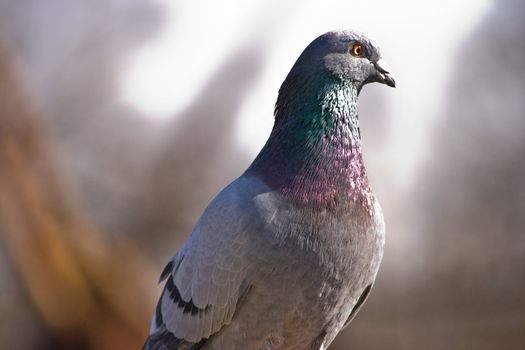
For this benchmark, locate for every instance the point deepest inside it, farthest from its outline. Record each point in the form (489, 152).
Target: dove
(286, 254)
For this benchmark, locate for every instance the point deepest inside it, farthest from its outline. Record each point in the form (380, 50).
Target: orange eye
(357, 50)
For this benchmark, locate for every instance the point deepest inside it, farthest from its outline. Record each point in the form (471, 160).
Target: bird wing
(358, 305)
(208, 277)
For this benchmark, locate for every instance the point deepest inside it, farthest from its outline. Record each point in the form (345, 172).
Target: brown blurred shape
(84, 286)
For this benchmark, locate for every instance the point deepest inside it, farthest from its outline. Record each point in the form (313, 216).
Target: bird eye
(357, 50)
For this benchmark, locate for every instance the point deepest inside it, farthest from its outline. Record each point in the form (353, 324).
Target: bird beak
(385, 76)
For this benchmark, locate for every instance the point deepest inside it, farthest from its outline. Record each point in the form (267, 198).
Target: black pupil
(357, 50)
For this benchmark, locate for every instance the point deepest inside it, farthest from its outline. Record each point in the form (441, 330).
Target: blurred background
(120, 120)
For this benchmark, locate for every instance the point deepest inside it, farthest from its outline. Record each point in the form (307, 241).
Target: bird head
(348, 56)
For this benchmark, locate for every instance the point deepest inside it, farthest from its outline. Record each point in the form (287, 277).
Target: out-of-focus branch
(85, 287)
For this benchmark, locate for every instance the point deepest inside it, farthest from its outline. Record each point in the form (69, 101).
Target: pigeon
(284, 256)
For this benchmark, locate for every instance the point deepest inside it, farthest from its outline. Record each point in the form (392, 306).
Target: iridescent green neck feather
(313, 155)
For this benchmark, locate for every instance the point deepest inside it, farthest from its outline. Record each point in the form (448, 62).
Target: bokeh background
(120, 119)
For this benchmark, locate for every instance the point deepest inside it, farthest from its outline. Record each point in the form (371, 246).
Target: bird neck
(313, 155)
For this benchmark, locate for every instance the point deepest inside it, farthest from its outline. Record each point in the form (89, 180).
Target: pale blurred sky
(418, 39)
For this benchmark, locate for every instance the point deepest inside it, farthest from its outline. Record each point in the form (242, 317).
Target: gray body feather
(266, 274)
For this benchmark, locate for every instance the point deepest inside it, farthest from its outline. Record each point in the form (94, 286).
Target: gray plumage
(286, 254)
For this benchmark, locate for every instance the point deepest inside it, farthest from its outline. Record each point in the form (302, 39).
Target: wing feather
(210, 274)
